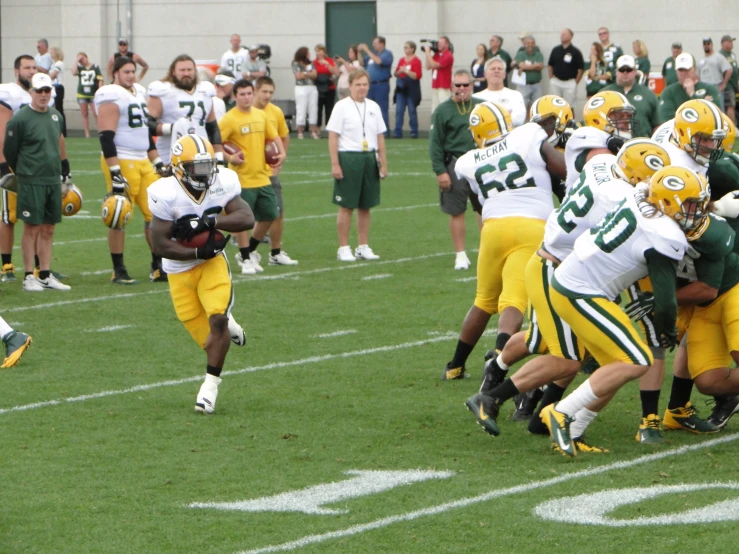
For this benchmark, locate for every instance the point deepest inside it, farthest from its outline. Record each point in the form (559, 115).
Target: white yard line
(109, 329)
(466, 279)
(378, 276)
(98, 272)
(336, 334)
(490, 495)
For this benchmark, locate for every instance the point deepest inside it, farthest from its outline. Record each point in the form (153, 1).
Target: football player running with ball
(199, 199)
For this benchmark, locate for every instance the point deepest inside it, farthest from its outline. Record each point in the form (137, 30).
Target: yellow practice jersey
(277, 118)
(249, 131)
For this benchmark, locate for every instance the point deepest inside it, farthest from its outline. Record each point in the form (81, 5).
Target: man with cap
(714, 68)
(222, 102)
(732, 87)
(668, 68)
(688, 87)
(643, 99)
(254, 67)
(124, 51)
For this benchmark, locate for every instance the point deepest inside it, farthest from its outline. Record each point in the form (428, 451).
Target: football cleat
(559, 429)
(451, 373)
(364, 252)
(583, 446)
(8, 274)
(344, 254)
(485, 409)
(16, 344)
(121, 277)
(686, 418)
(649, 430)
(32, 284)
(526, 404)
(492, 375)
(723, 409)
(53, 283)
(158, 276)
(238, 336)
(461, 262)
(206, 400)
(282, 259)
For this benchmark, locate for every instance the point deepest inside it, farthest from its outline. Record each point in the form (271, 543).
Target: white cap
(223, 80)
(40, 80)
(254, 47)
(626, 61)
(684, 61)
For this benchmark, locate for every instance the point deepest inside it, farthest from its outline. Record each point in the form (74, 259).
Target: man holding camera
(379, 65)
(439, 60)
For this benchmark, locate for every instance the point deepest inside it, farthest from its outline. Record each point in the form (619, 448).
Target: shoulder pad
(207, 88)
(107, 94)
(140, 90)
(664, 131)
(586, 137)
(534, 130)
(666, 237)
(159, 88)
(464, 164)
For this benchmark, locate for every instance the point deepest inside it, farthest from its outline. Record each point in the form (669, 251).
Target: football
(230, 148)
(271, 152)
(200, 239)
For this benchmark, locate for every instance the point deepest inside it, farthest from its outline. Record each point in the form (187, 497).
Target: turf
(115, 471)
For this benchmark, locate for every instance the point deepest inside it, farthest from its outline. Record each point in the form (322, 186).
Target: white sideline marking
(109, 329)
(98, 272)
(274, 365)
(496, 493)
(336, 334)
(466, 279)
(378, 276)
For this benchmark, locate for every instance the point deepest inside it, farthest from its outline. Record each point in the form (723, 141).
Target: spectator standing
(511, 100)
(714, 68)
(254, 67)
(407, 89)
(440, 64)
(89, 79)
(732, 87)
(124, 52)
(530, 61)
(234, 58)
(34, 147)
(477, 68)
(43, 58)
(346, 67)
(611, 52)
(599, 74)
(306, 94)
(449, 139)
(57, 75)
(356, 145)
(326, 71)
(566, 67)
(688, 87)
(641, 55)
(669, 71)
(379, 65)
(644, 100)
(223, 101)
(496, 49)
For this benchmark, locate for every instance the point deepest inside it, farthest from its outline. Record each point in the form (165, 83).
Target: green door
(349, 23)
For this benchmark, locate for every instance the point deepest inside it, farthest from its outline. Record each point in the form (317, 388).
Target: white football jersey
(132, 133)
(598, 191)
(219, 107)
(582, 140)
(235, 61)
(169, 200)
(610, 257)
(178, 103)
(510, 177)
(665, 135)
(14, 97)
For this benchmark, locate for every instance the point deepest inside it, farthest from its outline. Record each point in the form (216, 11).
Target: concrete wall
(165, 28)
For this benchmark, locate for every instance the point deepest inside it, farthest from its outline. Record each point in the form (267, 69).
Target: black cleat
(724, 407)
(121, 277)
(526, 404)
(492, 375)
(485, 409)
(451, 373)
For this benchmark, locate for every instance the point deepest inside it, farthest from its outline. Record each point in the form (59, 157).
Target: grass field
(102, 451)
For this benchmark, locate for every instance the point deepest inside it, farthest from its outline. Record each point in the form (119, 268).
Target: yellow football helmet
(610, 111)
(553, 113)
(730, 128)
(489, 122)
(699, 130)
(117, 210)
(71, 200)
(193, 162)
(681, 194)
(641, 158)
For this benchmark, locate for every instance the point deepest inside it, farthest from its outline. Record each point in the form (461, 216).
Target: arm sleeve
(664, 283)
(447, 60)
(653, 111)
(436, 143)
(12, 140)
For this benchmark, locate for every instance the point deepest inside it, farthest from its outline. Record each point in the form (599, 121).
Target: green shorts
(277, 186)
(263, 202)
(39, 204)
(360, 187)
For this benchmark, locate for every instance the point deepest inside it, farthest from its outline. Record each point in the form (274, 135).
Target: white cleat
(364, 252)
(31, 284)
(238, 336)
(282, 259)
(345, 254)
(462, 262)
(206, 401)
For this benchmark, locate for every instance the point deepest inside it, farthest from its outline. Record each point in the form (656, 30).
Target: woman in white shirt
(346, 67)
(56, 72)
(306, 93)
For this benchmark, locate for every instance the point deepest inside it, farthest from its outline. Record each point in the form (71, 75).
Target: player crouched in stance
(188, 210)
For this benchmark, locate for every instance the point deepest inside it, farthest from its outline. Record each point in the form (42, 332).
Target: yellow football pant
(139, 174)
(713, 333)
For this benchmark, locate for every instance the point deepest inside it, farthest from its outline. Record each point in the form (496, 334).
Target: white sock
(583, 418)
(4, 328)
(345, 248)
(212, 379)
(581, 397)
(501, 364)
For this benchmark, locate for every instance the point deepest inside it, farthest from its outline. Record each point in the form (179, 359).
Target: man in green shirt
(732, 87)
(496, 49)
(668, 68)
(530, 61)
(450, 138)
(687, 88)
(34, 148)
(643, 99)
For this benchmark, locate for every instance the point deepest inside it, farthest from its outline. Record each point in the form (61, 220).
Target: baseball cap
(254, 47)
(626, 61)
(684, 61)
(727, 37)
(223, 80)
(122, 41)
(707, 39)
(40, 80)
(677, 44)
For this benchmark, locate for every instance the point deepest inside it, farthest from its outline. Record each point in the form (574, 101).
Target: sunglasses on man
(626, 69)
(43, 90)
(463, 85)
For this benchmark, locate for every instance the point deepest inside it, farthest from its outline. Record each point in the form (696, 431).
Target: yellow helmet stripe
(500, 118)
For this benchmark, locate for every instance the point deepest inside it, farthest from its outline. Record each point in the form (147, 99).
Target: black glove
(66, 171)
(119, 181)
(614, 144)
(190, 225)
(213, 247)
(4, 169)
(641, 306)
(162, 170)
(668, 340)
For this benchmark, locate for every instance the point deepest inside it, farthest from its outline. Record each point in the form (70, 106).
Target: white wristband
(114, 168)
(166, 129)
